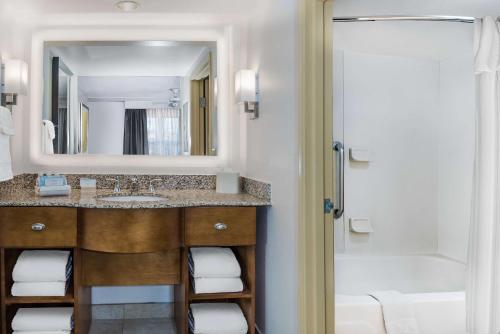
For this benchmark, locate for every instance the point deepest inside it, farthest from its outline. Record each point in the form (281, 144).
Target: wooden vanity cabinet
(119, 247)
(129, 231)
(38, 227)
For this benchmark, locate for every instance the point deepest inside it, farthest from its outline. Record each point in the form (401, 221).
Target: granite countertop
(89, 199)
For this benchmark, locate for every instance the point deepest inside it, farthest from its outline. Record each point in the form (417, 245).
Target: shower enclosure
(404, 133)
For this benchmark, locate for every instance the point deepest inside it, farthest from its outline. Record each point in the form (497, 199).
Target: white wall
(271, 146)
(12, 45)
(415, 113)
(456, 138)
(132, 294)
(390, 108)
(265, 149)
(106, 127)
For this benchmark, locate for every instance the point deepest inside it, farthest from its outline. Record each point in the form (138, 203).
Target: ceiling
(108, 6)
(131, 59)
(128, 88)
(476, 8)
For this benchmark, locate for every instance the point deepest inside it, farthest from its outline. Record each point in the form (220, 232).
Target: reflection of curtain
(483, 284)
(163, 131)
(135, 139)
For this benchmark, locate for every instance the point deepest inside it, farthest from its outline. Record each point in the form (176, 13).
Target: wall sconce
(14, 81)
(247, 91)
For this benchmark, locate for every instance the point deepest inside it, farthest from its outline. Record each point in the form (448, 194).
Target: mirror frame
(137, 164)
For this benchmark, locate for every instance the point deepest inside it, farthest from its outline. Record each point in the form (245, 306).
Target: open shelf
(246, 294)
(68, 299)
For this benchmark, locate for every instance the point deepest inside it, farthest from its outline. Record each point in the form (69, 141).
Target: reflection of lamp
(15, 81)
(246, 85)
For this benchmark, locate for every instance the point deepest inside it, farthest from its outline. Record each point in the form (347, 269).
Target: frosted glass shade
(245, 85)
(16, 77)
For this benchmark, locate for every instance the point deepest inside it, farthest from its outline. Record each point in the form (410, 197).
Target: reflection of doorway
(202, 109)
(84, 122)
(61, 75)
(200, 116)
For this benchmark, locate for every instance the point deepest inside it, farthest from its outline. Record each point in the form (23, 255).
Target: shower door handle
(338, 210)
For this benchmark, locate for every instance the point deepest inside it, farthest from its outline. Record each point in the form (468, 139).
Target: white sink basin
(132, 198)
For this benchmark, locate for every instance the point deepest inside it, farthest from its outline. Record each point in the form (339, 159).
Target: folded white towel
(217, 318)
(43, 319)
(42, 332)
(39, 289)
(213, 262)
(399, 315)
(217, 285)
(42, 266)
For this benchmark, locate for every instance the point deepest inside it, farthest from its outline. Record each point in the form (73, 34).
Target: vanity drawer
(220, 226)
(38, 227)
(130, 230)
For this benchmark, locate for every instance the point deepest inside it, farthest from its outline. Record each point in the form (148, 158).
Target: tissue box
(52, 180)
(46, 191)
(228, 183)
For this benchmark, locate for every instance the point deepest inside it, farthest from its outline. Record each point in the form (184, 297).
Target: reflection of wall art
(185, 129)
(84, 117)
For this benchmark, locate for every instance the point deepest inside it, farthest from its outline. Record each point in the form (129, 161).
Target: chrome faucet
(151, 185)
(117, 188)
(134, 185)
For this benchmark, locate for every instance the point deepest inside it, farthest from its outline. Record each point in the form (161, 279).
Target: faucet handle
(151, 186)
(117, 184)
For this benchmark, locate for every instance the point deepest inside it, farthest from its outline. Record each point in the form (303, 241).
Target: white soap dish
(360, 225)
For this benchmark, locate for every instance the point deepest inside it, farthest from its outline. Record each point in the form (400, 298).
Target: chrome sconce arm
(247, 91)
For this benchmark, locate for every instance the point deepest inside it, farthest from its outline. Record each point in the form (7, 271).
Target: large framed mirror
(140, 98)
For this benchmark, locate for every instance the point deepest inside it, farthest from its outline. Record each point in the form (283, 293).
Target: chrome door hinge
(328, 205)
(203, 102)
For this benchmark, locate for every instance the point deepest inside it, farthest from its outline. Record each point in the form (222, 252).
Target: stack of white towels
(40, 273)
(217, 318)
(214, 270)
(47, 320)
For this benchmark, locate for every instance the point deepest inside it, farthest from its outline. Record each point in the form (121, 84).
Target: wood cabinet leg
(83, 297)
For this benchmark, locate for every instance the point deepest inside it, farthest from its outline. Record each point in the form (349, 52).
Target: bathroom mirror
(155, 98)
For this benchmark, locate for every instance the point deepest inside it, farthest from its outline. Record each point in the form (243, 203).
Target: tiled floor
(133, 326)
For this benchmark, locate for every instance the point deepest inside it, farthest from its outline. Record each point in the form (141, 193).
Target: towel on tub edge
(398, 311)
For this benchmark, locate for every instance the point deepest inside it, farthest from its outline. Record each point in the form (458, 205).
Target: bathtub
(434, 284)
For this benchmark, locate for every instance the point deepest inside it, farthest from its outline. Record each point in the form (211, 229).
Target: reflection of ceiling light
(160, 43)
(127, 5)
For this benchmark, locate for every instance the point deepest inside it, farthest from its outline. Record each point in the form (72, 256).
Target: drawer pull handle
(220, 226)
(38, 227)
